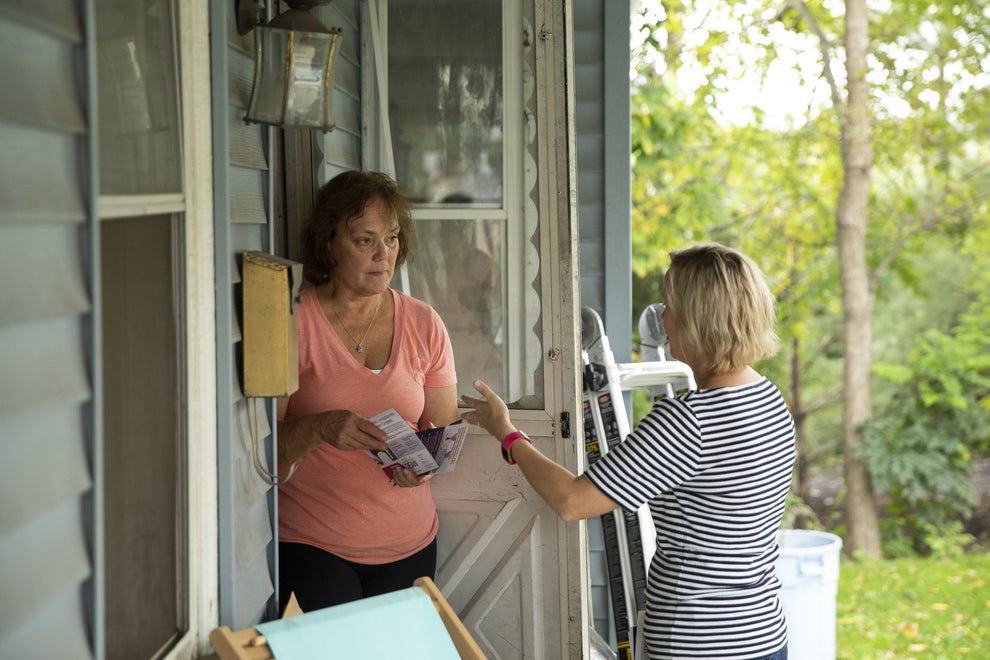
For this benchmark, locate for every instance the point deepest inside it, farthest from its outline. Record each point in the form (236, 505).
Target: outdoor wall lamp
(293, 59)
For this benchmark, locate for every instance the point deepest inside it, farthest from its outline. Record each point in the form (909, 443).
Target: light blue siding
(50, 513)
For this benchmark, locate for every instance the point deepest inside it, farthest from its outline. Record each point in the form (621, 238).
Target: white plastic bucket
(808, 569)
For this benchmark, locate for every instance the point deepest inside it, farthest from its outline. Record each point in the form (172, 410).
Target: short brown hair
(723, 306)
(342, 199)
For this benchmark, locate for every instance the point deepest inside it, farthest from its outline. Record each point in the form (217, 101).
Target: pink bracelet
(510, 440)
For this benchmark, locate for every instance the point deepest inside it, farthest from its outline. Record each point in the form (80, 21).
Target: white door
(476, 132)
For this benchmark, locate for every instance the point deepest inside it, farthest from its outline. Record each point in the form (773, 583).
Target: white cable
(271, 478)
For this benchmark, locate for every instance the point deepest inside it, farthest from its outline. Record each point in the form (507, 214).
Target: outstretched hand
(489, 411)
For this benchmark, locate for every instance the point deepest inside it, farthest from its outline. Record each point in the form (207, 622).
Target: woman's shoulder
(309, 303)
(308, 297)
(678, 406)
(406, 304)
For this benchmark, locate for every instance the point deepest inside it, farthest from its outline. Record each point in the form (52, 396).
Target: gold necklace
(358, 345)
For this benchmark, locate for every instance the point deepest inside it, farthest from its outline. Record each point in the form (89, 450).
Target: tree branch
(826, 48)
(929, 223)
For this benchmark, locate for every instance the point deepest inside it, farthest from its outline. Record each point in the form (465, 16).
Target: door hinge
(565, 424)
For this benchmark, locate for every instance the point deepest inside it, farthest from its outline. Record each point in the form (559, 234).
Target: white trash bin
(808, 569)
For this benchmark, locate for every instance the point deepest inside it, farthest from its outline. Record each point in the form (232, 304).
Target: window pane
(445, 98)
(139, 115)
(142, 431)
(466, 155)
(458, 270)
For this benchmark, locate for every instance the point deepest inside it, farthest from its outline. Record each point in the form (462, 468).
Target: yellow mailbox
(270, 288)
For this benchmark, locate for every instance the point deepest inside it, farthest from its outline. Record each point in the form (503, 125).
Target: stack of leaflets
(430, 451)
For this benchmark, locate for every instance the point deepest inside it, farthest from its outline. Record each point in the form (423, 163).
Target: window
(458, 111)
(142, 426)
(139, 113)
(141, 251)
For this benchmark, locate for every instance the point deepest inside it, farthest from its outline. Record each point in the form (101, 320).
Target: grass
(914, 609)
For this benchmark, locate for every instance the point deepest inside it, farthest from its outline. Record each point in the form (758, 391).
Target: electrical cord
(272, 478)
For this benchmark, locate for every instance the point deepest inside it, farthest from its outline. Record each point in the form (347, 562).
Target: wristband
(510, 440)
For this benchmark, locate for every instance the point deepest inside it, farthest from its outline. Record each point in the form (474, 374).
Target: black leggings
(320, 579)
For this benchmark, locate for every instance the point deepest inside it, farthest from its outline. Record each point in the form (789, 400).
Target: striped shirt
(715, 467)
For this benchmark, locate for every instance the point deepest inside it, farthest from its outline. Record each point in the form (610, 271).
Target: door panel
(503, 559)
(492, 556)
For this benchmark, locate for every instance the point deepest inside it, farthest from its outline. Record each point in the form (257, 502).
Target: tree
(857, 290)
(704, 170)
(951, 46)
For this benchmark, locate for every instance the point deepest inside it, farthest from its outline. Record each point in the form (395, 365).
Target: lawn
(923, 609)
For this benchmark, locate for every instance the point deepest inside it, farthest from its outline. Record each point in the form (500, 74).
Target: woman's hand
(342, 429)
(349, 431)
(406, 478)
(490, 412)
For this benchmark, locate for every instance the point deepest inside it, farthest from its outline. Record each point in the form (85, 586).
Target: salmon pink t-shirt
(341, 501)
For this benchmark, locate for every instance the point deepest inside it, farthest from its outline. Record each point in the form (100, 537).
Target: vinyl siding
(601, 80)
(47, 379)
(243, 214)
(340, 149)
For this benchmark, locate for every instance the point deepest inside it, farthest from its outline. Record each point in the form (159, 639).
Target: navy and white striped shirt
(715, 466)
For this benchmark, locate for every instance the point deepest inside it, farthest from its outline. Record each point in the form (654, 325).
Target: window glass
(458, 271)
(445, 98)
(141, 439)
(460, 94)
(139, 112)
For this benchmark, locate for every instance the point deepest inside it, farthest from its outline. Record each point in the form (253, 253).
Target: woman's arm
(440, 407)
(341, 428)
(573, 498)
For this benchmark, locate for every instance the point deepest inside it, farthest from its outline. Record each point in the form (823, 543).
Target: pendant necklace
(358, 345)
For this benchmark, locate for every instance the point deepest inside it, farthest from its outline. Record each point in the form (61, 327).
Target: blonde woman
(714, 465)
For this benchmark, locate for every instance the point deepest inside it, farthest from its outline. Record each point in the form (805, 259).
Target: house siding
(49, 355)
(340, 149)
(246, 216)
(602, 143)
(242, 222)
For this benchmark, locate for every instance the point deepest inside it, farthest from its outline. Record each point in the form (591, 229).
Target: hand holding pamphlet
(430, 451)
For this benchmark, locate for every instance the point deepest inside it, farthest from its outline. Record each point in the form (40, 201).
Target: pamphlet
(430, 451)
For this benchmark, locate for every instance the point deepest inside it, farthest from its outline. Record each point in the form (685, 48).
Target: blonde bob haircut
(723, 307)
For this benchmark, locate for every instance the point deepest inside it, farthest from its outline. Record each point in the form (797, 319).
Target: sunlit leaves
(704, 171)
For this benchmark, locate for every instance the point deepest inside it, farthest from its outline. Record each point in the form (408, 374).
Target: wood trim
(248, 644)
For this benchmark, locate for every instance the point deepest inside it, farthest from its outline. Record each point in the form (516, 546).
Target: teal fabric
(402, 624)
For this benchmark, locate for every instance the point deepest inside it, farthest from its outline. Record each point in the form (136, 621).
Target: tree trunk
(857, 294)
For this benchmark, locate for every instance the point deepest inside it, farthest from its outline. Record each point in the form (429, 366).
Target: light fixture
(293, 59)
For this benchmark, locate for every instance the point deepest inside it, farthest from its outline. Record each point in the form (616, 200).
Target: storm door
(471, 118)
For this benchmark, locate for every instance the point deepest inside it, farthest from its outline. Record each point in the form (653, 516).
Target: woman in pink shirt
(346, 531)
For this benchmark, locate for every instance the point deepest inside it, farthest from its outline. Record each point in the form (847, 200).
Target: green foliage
(913, 608)
(946, 540)
(922, 442)
(799, 515)
(906, 533)
(669, 199)
(702, 172)
(919, 463)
